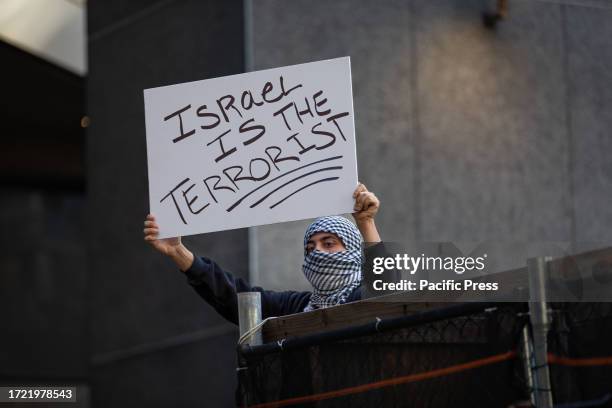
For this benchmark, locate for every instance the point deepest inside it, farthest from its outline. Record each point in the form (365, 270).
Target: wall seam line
(416, 126)
(124, 22)
(569, 126)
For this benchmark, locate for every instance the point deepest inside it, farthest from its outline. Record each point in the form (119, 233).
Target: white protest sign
(251, 149)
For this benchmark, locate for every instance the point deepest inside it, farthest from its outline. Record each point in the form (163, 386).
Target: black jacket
(220, 288)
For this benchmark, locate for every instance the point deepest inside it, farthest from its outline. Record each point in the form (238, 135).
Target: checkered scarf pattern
(333, 276)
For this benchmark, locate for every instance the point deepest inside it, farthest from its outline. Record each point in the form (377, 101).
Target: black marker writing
(244, 128)
(304, 149)
(183, 134)
(333, 119)
(202, 114)
(224, 153)
(277, 159)
(216, 186)
(320, 103)
(187, 201)
(229, 105)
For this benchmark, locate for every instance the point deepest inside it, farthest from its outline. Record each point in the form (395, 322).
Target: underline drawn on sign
(291, 181)
(303, 188)
(240, 200)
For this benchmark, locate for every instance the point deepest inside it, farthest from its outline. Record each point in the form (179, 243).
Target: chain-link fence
(464, 361)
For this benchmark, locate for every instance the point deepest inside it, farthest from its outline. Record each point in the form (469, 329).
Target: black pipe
(416, 319)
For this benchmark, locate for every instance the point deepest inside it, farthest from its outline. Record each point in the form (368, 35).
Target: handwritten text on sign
(251, 149)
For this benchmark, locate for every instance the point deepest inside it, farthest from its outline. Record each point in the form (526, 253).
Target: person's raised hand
(366, 204)
(167, 246)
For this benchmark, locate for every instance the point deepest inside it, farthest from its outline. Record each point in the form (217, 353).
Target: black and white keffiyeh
(333, 276)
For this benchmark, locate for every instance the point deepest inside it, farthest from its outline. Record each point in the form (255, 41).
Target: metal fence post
(249, 315)
(527, 359)
(540, 324)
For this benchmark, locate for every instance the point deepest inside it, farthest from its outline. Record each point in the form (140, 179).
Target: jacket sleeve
(220, 289)
(378, 250)
(372, 251)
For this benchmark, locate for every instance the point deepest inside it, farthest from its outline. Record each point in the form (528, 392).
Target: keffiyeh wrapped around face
(333, 276)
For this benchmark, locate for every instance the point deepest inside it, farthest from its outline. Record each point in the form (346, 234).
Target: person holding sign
(333, 260)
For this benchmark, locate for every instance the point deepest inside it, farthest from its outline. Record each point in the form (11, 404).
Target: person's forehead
(322, 235)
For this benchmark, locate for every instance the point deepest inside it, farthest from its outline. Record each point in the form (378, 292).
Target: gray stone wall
(465, 133)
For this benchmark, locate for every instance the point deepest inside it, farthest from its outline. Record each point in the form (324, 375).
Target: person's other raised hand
(167, 246)
(366, 204)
